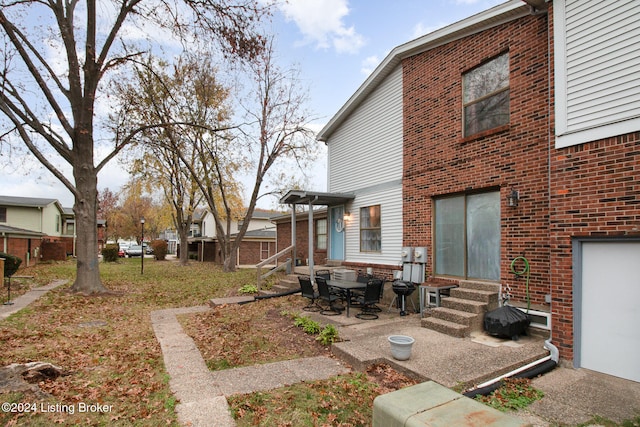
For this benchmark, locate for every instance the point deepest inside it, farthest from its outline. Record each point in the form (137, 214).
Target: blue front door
(336, 237)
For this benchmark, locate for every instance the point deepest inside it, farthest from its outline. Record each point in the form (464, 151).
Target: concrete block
(431, 404)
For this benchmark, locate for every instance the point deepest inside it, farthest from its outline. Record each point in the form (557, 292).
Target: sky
(335, 44)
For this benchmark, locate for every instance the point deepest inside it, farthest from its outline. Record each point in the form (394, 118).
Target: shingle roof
(25, 201)
(5, 229)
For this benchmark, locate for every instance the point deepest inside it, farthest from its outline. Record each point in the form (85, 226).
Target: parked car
(147, 249)
(134, 250)
(121, 253)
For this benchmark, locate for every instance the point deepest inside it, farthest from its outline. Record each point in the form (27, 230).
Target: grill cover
(506, 322)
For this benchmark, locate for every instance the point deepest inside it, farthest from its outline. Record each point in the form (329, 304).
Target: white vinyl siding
(365, 158)
(597, 69)
(367, 148)
(390, 201)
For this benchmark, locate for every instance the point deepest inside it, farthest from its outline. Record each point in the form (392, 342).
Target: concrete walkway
(24, 300)
(202, 392)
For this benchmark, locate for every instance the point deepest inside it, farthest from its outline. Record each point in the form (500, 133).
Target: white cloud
(369, 64)
(321, 22)
(420, 29)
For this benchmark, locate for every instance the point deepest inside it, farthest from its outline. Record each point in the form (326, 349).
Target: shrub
(110, 253)
(328, 335)
(311, 327)
(248, 289)
(160, 248)
(11, 264)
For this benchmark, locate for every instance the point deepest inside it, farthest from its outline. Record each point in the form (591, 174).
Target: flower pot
(401, 346)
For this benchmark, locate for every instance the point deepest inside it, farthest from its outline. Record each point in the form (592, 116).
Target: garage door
(609, 328)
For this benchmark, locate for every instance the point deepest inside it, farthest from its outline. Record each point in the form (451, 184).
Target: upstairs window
(3, 214)
(370, 229)
(486, 96)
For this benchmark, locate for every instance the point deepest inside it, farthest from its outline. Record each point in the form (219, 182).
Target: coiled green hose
(525, 271)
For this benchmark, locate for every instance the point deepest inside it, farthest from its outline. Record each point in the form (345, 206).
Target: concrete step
(488, 297)
(469, 306)
(454, 316)
(285, 285)
(445, 327)
(481, 286)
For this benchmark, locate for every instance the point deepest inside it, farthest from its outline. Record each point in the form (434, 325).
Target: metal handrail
(287, 264)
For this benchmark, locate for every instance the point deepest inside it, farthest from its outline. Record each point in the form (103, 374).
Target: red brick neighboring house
(511, 135)
(257, 245)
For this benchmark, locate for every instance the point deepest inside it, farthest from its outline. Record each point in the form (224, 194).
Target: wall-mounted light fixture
(347, 216)
(513, 198)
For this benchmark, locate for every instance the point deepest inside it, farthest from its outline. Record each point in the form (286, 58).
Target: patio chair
(329, 297)
(308, 292)
(357, 294)
(325, 274)
(375, 307)
(369, 300)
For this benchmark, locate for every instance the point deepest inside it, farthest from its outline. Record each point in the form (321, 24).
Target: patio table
(347, 286)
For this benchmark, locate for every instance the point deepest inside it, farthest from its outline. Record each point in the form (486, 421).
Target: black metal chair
(307, 290)
(325, 274)
(357, 294)
(369, 300)
(329, 297)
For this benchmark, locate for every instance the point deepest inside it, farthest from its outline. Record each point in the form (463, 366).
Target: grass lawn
(106, 344)
(111, 357)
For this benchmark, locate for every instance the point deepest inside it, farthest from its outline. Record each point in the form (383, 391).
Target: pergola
(311, 198)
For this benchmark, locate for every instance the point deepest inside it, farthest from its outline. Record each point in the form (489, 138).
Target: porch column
(311, 275)
(293, 234)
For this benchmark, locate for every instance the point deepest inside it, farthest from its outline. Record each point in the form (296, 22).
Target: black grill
(402, 289)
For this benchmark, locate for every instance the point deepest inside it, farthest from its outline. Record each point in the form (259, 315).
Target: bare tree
(277, 131)
(185, 108)
(48, 100)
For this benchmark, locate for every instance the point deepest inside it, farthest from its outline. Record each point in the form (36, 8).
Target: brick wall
(594, 192)
(20, 246)
(53, 251)
(283, 232)
(438, 160)
(250, 252)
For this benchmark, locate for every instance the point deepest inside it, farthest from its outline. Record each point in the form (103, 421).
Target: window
(57, 223)
(321, 234)
(370, 231)
(467, 236)
(486, 96)
(264, 250)
(3, 214)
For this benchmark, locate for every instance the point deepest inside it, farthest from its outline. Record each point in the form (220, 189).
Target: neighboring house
(320, 236)
(257, 245)
(25, 222)
(37, 229)
(513, 133)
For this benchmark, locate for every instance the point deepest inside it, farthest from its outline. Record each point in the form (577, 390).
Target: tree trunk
(86, 209)
(229, 263)
(184, 246)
